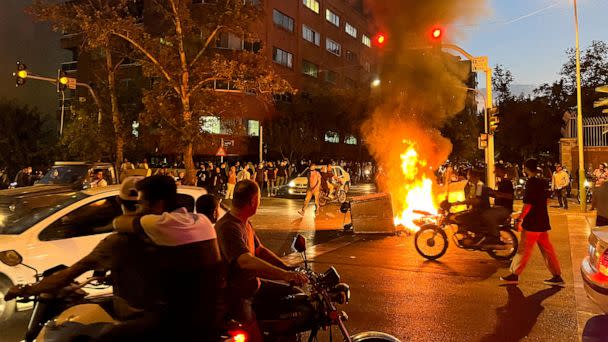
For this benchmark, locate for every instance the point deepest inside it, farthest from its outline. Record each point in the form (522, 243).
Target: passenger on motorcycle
(477, 196)
(132, 261)
(329, 180)
(247, 260)
(503, 204)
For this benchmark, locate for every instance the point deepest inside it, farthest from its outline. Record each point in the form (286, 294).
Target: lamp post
(579, 120)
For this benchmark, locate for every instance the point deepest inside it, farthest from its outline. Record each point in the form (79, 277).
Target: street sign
(480, 63)
(228, 143)
(221, 152)
(71, 83)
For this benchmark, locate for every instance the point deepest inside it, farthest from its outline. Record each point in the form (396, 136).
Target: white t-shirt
(178, 227)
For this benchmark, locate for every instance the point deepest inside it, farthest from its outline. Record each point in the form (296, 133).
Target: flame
(416, 190)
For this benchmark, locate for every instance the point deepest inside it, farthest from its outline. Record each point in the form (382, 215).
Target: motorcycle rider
(247, 260)
(137, 299)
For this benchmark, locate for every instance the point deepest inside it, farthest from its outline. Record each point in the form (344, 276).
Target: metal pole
(62, 112)
(579, 120)
(491, 179)
(222, 146)
(261, 143)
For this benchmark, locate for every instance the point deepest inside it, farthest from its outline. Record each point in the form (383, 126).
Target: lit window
(310, 69)
(282, 57)
(366, 41)
(210, 124)
(350, 140)
(332, 137)
(333, 47)
(282, 20)
(313, 5)
(331, 76)
(351, 30)
(253, 128)
(332, 17)
(228, 40)
(311, 35)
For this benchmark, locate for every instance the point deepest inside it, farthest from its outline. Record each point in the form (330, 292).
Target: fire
(416, 189)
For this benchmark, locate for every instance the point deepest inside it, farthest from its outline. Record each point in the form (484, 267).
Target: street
(458, 298)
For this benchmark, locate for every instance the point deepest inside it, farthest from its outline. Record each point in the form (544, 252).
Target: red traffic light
(437, 33)
(380, 39)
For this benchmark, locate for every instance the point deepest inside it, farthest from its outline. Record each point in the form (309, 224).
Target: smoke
(421, 89)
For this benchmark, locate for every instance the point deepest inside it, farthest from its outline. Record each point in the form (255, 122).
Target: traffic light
(437, 34)
(20, 74)
(493, 119)
(380, 39)
(62, 81)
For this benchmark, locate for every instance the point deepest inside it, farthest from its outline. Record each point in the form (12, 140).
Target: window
(228, 40)
(333, 47)
(351, 56)
(253, 128)
(313, 5)
(311, 35)
(332, 137)
(210, 124)
(282, 57)
(282, 20)
(350, 140)
(366, 41)
(310, 69)
(351, 30)
(332, 17)
(91, 219)
(331, 76)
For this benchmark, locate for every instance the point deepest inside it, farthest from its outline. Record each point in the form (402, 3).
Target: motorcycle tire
(322, 200)
(341, 196)
(438, 236)
(589, 198)
(373, 336)
(506, 234)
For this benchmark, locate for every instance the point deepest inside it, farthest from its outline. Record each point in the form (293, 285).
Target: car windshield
(18, 214)
(65, 175)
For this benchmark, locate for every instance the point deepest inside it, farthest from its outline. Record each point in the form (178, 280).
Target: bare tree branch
(206, 45)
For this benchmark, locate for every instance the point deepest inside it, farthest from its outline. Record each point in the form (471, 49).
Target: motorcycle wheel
(508, 237)
(431, 242)
(322, 200)
(341, 196)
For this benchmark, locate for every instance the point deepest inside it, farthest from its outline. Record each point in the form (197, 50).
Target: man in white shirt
(98, 180)
(559, 184)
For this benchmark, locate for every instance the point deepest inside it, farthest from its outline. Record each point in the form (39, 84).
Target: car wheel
(6, 308)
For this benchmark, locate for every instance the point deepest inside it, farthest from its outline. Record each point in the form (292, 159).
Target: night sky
(35, 45)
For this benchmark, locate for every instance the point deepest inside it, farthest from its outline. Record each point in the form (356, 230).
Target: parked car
(60, 228)
(594, 267)
(77, 175)
(297, 186)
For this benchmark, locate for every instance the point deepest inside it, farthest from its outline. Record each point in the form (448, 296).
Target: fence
(595, 131)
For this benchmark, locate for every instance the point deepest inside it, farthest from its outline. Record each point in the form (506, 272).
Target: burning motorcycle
(70, 314)
(292, 318)
(431, 240)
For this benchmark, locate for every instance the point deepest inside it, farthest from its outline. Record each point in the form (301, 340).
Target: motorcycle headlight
(521, 181)
(587, 184)
(340, 293)
(292, 184)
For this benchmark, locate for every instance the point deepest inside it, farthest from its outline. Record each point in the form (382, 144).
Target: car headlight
(292, 184)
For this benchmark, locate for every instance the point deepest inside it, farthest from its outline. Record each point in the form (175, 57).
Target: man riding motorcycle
(247, 260)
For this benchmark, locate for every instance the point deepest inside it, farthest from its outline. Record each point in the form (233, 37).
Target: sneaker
(555, 281)
(301, 212)
(510, 279)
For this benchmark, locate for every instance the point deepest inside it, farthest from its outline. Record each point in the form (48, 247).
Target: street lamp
(579, 120)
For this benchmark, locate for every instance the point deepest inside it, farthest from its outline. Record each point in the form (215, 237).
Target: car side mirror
(299, 244)
(11, 258)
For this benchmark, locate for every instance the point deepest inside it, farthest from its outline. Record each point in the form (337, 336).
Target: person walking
(600, 202)
(314, 189)
(271, 176)
(559, 185)
(231, 182)
(281, 173)
(259, 176)
(534, 224)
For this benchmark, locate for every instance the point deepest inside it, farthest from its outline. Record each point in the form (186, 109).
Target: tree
(501, 83)
(178, 54)
(77, 143)
(90, 19)
(25, 140)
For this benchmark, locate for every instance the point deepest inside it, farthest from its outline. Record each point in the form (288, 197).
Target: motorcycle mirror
(11, 258)
(299, 244)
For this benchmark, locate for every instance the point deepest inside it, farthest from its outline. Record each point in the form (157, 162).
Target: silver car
(594, 267)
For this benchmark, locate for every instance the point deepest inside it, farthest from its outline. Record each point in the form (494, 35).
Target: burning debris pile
(422, 89)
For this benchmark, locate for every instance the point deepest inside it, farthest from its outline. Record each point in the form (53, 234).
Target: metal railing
(595, 131)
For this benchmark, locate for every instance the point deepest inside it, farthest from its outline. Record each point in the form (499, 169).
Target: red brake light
(603, 263)
(238, 336)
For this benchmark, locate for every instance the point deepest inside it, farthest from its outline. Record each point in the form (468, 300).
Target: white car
(594, 267)
(297, 186)
(53, 229)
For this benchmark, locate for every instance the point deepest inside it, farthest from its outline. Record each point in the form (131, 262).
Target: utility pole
(579, 120)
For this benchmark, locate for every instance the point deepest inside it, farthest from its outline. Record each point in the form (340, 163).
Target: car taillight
(603, 263)
(238, 336)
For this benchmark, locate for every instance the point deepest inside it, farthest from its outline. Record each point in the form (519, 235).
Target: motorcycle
(70, 314)
(291, 318)
(431, 241)
(519, 187)
(588, 192)
(338, 195)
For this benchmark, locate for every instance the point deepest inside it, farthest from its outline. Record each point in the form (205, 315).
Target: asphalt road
(458, 298)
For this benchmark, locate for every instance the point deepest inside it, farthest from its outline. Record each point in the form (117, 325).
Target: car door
(74, 234)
